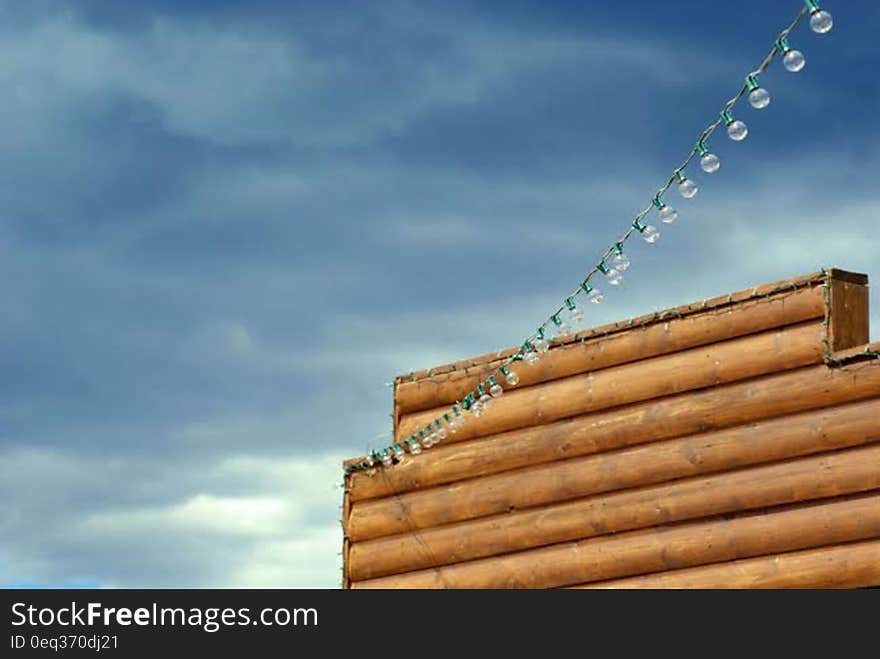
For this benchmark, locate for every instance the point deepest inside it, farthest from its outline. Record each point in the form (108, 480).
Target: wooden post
(848, 312)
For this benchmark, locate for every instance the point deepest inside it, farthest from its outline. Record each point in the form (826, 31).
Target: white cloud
(273, 521)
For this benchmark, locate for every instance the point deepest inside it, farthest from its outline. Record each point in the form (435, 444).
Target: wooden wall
(734, 442)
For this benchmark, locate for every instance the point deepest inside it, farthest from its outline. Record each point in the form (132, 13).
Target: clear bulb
(595, 296)
(563, 329)
(414, 448)
(794, 61)
(495, 390)
(668, 214)
(386, 460)
(614, 277)
(476, 409)
(737, 130)
(759, 98)
(531, 357)
(650, 234)
(620, 261)
(484, 401)
(541, 344)
(710, 163)
(576, 316)
(688, 188)
(441, 434)
(512, 378)
(821, 22)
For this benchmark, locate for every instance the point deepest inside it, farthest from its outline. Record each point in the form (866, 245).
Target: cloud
(226, 228)
(130, 521)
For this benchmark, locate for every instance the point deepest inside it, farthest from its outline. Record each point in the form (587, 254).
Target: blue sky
(227, 225)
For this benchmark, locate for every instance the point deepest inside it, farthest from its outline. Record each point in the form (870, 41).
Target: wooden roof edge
(867, 356)
(765, 290)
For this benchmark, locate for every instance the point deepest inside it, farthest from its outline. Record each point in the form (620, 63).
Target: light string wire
(435, 431)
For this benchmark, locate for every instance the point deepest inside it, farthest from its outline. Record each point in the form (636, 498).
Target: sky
(226, 226)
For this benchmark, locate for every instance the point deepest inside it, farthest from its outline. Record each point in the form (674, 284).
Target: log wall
(733, 442)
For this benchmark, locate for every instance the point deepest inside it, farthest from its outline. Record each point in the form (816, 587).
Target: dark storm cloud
(227, 224)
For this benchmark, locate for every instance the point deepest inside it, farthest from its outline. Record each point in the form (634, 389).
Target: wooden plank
(803, 479)
(688, 370)
(684, 414)
(855, 565)
(659, 549)
(631, 345)
(756, 443)
(848, 323)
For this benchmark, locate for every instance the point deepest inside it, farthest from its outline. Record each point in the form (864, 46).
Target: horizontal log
(803, 479)
(855, 565)
(714, 408)
(707, 366)
(628, 345)
(658, 462)
(658, 549)
(788, 285)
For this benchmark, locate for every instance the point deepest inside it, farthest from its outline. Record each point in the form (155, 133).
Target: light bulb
(531, 357)
(821, 22)
(399, 455)
(511, 378)
(759, 98)
(476, 409)
(576, 315)
(710, 163)
(668, 214)
(687, 188)
(386, 457)
(620, 261)
(495, 390)
(414, 447)
(562, 328)
(737, 130)
(794, 61)
(485, 400)
(650, 234)
(614, 277)
(595, 296)
(441, 434)
(541, 344)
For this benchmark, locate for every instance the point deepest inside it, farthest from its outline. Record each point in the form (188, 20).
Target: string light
(575, 313)
(686, 187)
(619, 260)
(649, 232)
(509, 376)
(758, 96)
(709, 162)
(736, 128)
(612, 275)
(793, 60)
(594, 295)
(614, 262)
(820, 20)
